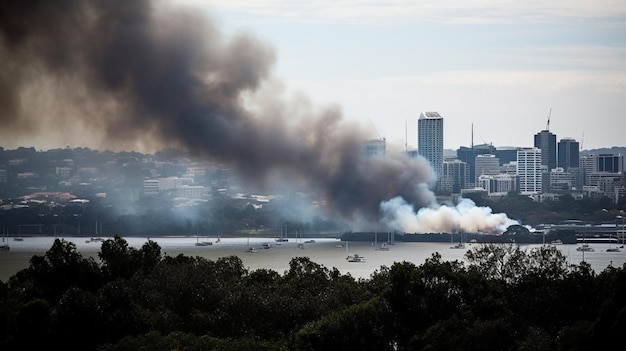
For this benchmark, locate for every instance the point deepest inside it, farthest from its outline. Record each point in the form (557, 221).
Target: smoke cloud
(146, 75)
(465, 216)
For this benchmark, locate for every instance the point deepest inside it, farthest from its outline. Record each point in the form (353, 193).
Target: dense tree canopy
(503, 298)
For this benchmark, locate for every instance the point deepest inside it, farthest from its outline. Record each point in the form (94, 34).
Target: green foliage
(510, 263)
(505, 298)
(61, 268)
(364, 326)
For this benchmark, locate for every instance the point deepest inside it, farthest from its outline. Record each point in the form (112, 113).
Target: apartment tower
(430, 140)
(546, 141)
(529, 170)
(569, 154)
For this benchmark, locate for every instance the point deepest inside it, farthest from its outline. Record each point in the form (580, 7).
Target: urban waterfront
(328, 252)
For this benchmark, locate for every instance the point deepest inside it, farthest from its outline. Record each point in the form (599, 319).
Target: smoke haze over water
(465, 216)
(145, 75)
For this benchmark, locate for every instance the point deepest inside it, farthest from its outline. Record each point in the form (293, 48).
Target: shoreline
(328, 252)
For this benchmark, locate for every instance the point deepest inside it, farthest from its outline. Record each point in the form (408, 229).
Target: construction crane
(548, 124)
(376, 130)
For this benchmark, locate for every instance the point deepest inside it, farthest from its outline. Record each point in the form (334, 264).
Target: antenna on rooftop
(406, 135)
(548, 124)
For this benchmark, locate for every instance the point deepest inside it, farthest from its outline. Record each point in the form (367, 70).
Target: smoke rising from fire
(146, 75)
(465, 216)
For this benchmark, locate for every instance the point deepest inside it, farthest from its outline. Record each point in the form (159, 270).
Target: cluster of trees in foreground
(501, 298)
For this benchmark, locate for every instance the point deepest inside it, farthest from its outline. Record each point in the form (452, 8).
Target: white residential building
(529, 170)
(430, 140)
(498, 184)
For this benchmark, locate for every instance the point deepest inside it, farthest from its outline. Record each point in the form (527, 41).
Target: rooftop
(430, 114)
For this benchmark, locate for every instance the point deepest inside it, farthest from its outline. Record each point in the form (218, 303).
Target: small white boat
(382, 247)
(458, 246)
(585, 247)
(355, 258)
(252, 250)
(613, 248)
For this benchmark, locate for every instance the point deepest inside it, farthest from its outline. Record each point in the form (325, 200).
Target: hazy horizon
(500, 68)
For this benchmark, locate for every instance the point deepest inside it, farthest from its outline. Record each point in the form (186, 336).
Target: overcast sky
(501, 65)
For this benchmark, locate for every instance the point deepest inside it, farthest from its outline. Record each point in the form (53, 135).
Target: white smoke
(465, 216)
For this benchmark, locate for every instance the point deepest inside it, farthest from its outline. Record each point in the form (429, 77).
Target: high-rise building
(430, 140)
(588, 166)
(456, 174)
(375, 147)
(602, 165)
(561, 180)
(468, 155)
(610, 163)
(546, 141)
(568, 154)
(529, 170)
(487, 165)
(506, 154)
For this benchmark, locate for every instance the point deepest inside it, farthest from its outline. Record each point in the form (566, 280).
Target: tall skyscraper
(569, 154)
(529, 170)
(430, 140)
(546, 141)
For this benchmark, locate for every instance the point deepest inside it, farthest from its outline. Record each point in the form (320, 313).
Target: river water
(328, 252)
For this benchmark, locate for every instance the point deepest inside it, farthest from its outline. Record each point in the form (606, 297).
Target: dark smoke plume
(147, 75)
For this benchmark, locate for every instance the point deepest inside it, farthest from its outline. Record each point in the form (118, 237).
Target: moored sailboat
(460, 244)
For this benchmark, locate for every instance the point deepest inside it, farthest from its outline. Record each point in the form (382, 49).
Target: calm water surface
(330, 253)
